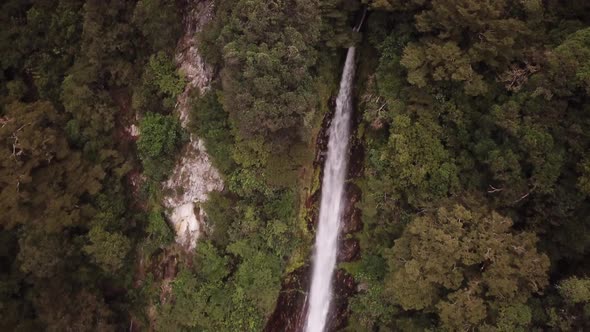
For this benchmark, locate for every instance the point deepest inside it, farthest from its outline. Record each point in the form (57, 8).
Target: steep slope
(193, 176)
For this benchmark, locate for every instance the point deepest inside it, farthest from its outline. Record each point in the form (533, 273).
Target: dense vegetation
(258, 121)
(475, 201)
(475, 181)
(69, 226)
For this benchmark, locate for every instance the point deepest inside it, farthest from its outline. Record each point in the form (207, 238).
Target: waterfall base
(289, 314)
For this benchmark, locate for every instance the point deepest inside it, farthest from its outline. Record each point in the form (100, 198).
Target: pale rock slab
(194, 176)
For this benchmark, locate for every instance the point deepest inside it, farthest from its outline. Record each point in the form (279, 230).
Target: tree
(159, 22)
(514, 317)
(158, 230)
(210, 122)
(160, 136)
(108, 250)
(575, 290)
(268, 53)
(441, 61)
(462, 263)
(161, 73)
(42, 180)
(462, 310)
(571, 59)
(200, 300)
(61, 309)
(457, 37)
(41, 254)
(64, 210)
(425, 169)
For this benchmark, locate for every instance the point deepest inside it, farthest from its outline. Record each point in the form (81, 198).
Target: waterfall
(326, 245)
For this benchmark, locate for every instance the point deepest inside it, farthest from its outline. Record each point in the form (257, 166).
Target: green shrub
(159, 139)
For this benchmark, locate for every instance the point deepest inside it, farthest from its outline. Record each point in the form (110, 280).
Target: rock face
(194, 176)
(344, 287)
(349, 250)
(190, 62)
(351, 214)
(291, 307)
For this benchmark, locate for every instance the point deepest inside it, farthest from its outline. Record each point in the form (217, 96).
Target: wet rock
(351, 215)
(135, 181)
(344, 288)
(313, 211)
(321, 148)
(353, 223)
(349, 250)
(356, 161)
(164, 264)
(132, 132)
(196, 71)
(290, 311)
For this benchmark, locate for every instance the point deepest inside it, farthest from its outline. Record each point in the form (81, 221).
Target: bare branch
(493, 189)
(4, 121)
(525, 195)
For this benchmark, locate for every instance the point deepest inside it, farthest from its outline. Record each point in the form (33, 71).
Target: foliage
(158, 230)
(267, 54)
(158, 22)
(162, 72)
(575, 290)
(474, 118)
(476, 98)
(67, 230)
(253, 125)
(108, 250)
(159, 140)
(572, 56)
(210, 122)
(43, 180)
(478, 262)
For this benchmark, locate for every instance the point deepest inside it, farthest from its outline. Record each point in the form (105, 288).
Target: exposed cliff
(194, 176)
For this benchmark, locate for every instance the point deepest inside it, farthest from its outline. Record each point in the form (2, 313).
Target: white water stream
(326, 245)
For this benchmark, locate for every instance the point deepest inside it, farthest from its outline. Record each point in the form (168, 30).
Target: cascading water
(326, 245)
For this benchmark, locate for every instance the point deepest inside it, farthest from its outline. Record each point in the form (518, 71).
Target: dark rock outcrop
(349, 250)
(351, 215)
(344, 288)
(290, 311)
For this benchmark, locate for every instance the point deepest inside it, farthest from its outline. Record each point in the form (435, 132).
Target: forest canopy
(470, 155)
